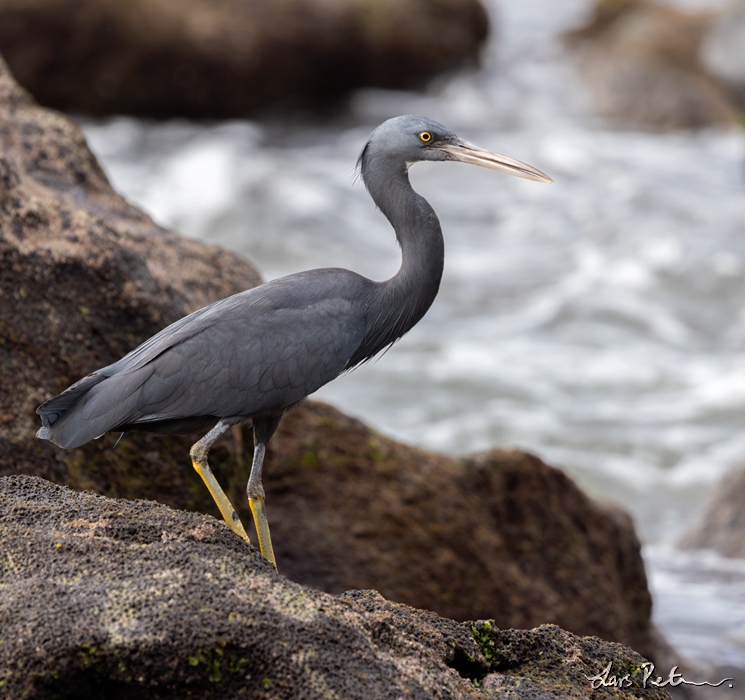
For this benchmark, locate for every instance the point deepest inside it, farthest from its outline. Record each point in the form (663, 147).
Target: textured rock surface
(227, 58)
(641, 61)
(723, 525)
(499, 535)
(121, 599)
(84, 277)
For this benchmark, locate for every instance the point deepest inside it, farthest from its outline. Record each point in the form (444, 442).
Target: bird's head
(409, 139)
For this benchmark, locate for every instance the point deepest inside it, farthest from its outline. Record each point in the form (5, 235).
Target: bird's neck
(400, 302)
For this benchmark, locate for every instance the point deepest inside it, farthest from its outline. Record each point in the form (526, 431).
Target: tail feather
(72, 419)
(53, 409)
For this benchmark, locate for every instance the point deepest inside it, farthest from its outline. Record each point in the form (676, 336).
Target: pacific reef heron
(257, 354)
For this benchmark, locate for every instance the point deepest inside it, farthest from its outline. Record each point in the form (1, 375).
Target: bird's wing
(196, 322)
(260, 350)
(271, 363)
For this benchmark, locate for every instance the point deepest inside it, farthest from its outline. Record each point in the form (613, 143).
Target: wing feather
(254, 357)
(261, 350)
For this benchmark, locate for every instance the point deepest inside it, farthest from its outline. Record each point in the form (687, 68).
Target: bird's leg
(263, 431)
(199, 460)
(256, 500)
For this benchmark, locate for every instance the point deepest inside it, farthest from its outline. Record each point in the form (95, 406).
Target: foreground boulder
(197, 58)
(85, 277)
(121, 599)
(723, 525)
(641, 61)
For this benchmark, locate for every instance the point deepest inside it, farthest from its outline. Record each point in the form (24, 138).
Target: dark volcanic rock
(85, 277)
(723, 525)
(122, 599)
(228, 58)
(641, 60)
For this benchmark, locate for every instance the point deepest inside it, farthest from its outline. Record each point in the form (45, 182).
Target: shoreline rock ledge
(120, 599)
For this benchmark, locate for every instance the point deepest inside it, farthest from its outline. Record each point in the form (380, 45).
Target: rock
(498, 535)
(85, 277)
(723, 50)
(723, 525)
(229, 58)
(120, 599)
(641, 61)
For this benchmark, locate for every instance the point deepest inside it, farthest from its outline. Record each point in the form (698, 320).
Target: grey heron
(257, 354)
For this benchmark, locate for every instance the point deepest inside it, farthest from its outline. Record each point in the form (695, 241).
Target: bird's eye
(425, 136)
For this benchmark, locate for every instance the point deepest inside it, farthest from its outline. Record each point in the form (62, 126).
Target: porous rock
(722, 527)
(229, 58)
(641, 61)
(121, 599)
(497, 535)
(85, 277)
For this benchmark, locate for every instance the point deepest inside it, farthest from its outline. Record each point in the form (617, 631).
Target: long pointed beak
(469, 153)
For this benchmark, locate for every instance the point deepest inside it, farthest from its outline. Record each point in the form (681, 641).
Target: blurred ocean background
(597, 322)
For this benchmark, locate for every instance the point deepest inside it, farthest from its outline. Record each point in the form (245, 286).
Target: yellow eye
(425, 136)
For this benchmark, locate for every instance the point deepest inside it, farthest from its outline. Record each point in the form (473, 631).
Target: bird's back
(258, 351)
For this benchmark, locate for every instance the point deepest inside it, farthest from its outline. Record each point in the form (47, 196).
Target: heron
(254, 356)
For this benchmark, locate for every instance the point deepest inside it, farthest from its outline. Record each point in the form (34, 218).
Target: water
(597, 322)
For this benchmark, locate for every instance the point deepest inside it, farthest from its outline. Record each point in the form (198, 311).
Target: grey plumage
(259, 352)
(255, 352)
